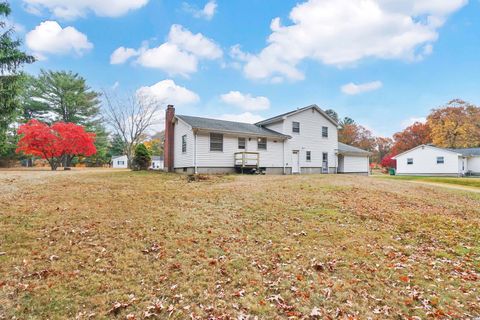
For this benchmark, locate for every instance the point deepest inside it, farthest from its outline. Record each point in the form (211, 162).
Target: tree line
(54, 97)
(454, 125)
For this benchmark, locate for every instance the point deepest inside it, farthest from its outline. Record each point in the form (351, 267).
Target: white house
(301, 141)
(157, 163)
(119, 162)
(428, 160)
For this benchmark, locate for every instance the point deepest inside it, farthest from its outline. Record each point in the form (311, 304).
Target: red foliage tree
(414, 135)
(55, 143)
(388, 162)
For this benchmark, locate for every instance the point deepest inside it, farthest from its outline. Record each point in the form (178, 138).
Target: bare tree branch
(130, 118)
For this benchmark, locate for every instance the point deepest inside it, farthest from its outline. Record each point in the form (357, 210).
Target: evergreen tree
(142, 158)
(65, 97)
(11, 79)
(117, 146)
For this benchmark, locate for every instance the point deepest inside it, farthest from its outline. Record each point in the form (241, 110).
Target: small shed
(120, 162)
(353, 160)
(157, 163)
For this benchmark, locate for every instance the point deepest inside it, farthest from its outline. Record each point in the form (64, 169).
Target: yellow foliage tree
(456, 125)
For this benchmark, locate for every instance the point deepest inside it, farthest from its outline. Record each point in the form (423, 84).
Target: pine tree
(11, 79)
(142, 158)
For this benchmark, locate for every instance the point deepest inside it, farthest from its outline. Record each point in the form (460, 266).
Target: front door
(296, 162)
(325, 162)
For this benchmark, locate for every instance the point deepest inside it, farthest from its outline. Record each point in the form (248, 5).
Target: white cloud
(115, 85)
(196, 44)
(206, 13)
(167, 92)
(353, 89)
(179, 55)
(246, 101)
(50, 38)
(408, 122)
(343, 32)
(169, 58)
(246, 117)
(72, 9)
(122, 54)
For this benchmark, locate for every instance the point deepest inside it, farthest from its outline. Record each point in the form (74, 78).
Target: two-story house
(301, 141)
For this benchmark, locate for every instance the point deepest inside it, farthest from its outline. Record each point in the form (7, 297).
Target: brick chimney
(169, 132)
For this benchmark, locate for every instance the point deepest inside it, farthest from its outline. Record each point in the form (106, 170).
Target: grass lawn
(468, 182)
(116, 244)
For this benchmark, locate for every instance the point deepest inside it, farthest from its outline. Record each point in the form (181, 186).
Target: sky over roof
(384, 63)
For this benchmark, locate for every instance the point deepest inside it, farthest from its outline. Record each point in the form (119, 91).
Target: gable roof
(345, 149)
(230, 127)
(428, 146)
(281, 116)
(115, 157)
(467, 152)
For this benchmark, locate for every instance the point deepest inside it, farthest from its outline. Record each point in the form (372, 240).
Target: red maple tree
(388, 162)
(60, 141)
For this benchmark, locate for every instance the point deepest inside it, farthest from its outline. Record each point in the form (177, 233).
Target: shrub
(142, 158)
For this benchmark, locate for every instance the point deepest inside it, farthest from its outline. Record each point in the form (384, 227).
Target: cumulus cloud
(122, 54)
(167, 92)
(245, 101)
(180, 54)
(50, 38)
(343, 32)
(73, 9)
(246, 117)
(353, 89)
(206, 13)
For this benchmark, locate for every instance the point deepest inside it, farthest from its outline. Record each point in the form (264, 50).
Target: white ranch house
(298, 142)
(428, 160)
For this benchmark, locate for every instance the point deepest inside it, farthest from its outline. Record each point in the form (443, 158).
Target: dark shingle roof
(229, 126)
(280, 117)
(467, 152)
(346, 149)
(157, 158)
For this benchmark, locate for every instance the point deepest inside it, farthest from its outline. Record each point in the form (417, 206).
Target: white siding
(182, 159)
(474, 164)
(354, 164)
(272, 157)
(309, 139)
(120, 162)
(425, 162)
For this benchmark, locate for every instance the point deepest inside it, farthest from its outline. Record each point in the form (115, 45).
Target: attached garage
(353, 160)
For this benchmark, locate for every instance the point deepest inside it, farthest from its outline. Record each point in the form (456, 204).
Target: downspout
(284, 168)
(195, 151)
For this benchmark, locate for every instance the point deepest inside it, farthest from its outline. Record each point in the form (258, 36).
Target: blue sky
(235, 60)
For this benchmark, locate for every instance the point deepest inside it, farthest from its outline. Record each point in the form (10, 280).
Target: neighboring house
(428, 160)
(119, 162)
(157, 163)
(352, 159)
(301, 141)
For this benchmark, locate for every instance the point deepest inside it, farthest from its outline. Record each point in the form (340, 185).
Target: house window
(216, 142)
(440, 160)
(121, 163)
(409, 160)
(184, 143)
(262, 143)
(296, 127)
(325, 157)
(309, 155)
(241, 143)
(325, 132)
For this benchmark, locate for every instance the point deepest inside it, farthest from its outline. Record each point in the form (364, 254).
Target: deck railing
(247, 159)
